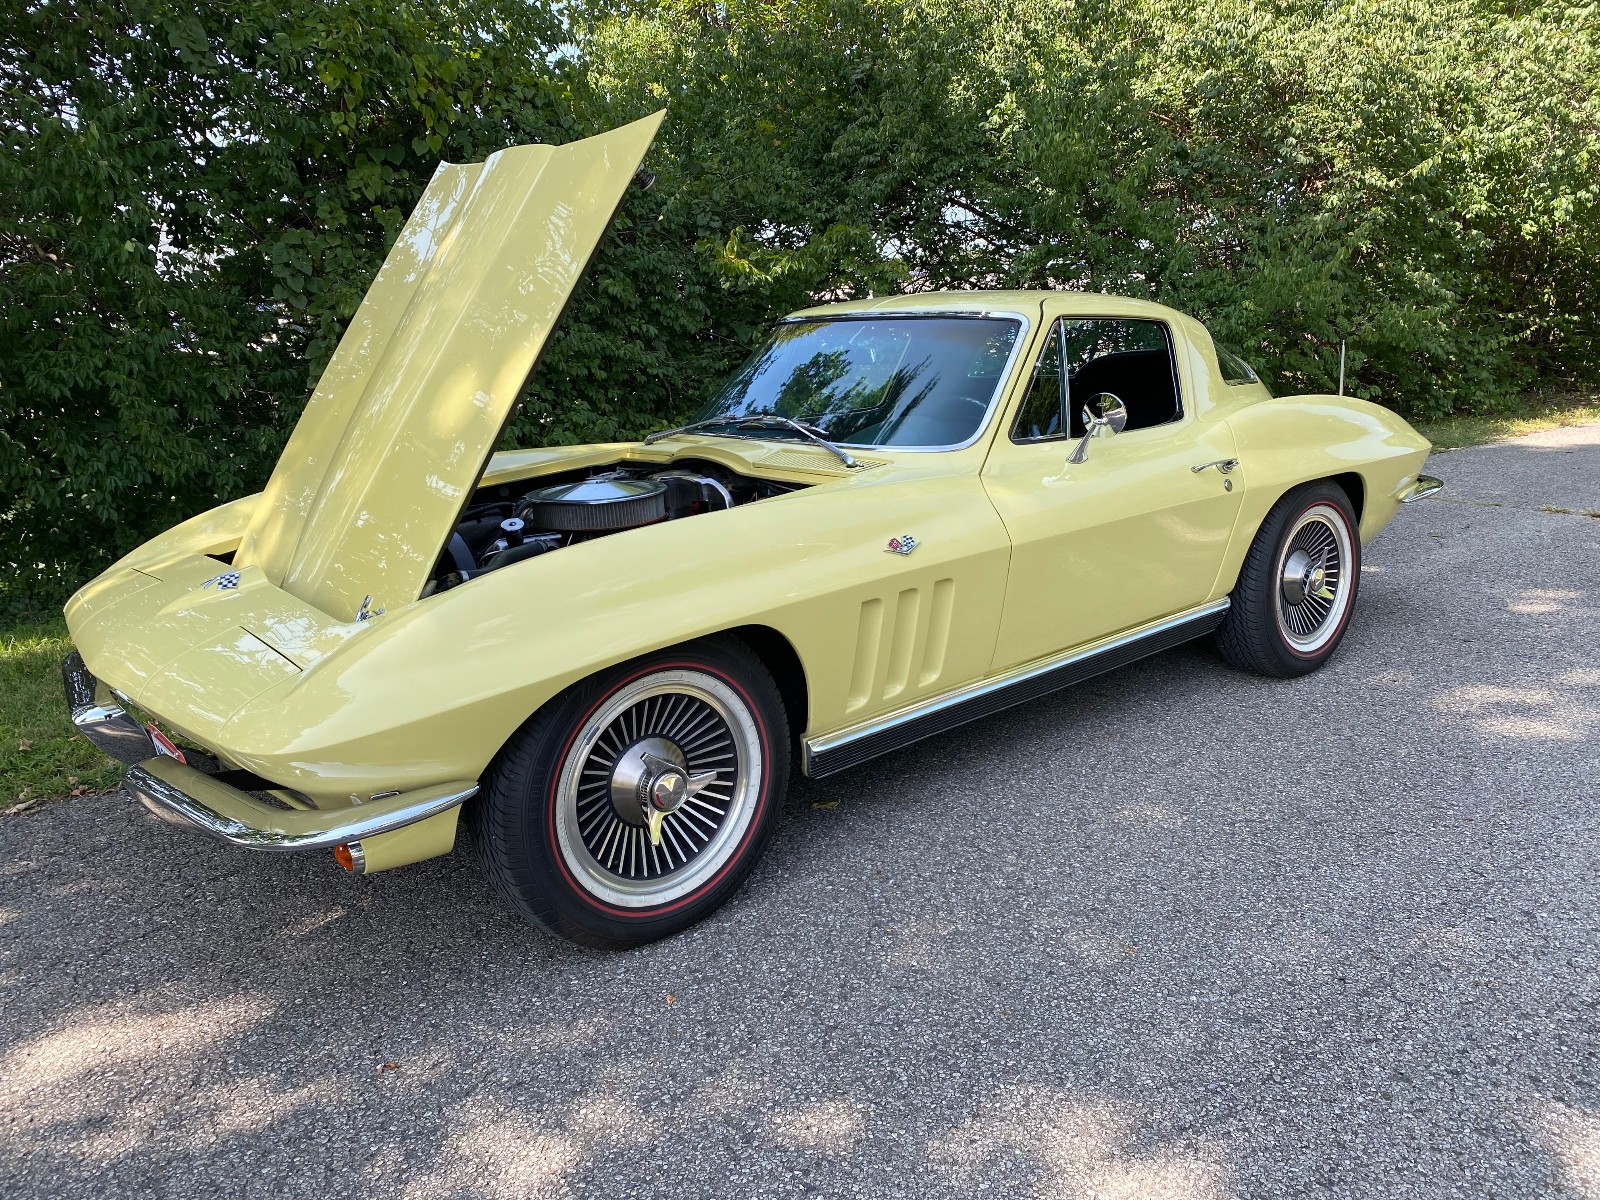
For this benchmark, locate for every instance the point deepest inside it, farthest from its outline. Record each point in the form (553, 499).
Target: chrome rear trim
(96, 715)
(1425, 486)
(180, 795)
(837, 751)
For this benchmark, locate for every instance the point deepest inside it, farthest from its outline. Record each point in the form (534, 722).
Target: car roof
(1026, 303)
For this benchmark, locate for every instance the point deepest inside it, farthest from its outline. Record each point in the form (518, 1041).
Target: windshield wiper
(757, 420)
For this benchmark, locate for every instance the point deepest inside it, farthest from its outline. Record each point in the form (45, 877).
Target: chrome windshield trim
(108, 726)
(188, 798)
(1200, 617)
(868, 314)
(1421, 489)
(1006, 373)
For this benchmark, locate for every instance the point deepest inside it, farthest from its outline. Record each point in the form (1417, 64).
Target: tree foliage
(193, 198)
(1419, 179)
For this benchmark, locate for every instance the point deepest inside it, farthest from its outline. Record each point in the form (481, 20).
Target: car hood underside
(405, 416)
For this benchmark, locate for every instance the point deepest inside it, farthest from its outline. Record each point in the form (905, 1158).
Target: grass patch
(1530, 416)
(40, 754)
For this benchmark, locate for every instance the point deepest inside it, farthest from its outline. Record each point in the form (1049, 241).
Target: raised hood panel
(422, 382)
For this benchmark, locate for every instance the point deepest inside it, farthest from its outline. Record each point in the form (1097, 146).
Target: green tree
(193, 199)
(1417, 178)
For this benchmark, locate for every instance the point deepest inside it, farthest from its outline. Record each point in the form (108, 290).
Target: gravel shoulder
(1178, 933)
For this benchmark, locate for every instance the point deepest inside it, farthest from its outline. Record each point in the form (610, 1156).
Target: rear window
(1234, 368)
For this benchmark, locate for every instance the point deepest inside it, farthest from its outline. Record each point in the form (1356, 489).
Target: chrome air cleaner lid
(594, 505)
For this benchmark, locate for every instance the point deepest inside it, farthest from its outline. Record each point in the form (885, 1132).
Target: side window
(1131, 359)
(1041, 415)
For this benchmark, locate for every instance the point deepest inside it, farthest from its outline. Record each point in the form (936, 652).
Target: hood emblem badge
(367, 612)
(904, 544)
(227, 581)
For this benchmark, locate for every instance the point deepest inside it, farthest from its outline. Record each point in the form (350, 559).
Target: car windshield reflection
(908, 382)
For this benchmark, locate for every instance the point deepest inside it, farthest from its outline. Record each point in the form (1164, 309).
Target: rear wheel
(1297, 586)
(635, 804)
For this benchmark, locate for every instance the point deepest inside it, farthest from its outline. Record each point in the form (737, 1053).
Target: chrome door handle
(1223, 465)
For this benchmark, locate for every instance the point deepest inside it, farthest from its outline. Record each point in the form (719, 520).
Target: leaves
(187, 220)
(194, 197)
(1389, 174)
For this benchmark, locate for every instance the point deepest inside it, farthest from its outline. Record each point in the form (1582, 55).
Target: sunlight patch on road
(510, 1157)
(130, 1039)
(507, 1159)
(833, 1126)
(1572, 1138)
(1578, 678)
(1526, 713)
(1149, 815)
(1535, 602)
(90, 1082)
(1077, 1149)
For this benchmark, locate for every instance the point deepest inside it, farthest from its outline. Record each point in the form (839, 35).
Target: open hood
(405, 416)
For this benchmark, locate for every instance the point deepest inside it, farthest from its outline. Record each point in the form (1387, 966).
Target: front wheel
(1297, 586)
(635, 803)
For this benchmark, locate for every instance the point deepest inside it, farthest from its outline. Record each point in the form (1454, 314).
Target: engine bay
(511, 522)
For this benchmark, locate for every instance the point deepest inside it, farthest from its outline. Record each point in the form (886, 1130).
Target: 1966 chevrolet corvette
(900, 514)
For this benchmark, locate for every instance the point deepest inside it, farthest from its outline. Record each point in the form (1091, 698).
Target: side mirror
(1104, 415)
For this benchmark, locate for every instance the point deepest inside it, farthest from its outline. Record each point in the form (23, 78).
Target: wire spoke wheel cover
(681, 741)
(1314, 587)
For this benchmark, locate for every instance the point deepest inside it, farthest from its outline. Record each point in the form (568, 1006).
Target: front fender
(434, 690)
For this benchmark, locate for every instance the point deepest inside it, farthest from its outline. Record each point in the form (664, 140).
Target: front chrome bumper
(182, 795)
(96, 714)
(1421, 489)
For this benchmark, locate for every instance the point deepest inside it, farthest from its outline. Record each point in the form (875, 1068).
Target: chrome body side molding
(1425, 486)
(847, 748)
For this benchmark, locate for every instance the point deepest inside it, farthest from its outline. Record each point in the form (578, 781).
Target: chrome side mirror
(1104, 415)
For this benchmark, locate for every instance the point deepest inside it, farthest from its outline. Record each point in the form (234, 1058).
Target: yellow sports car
(900, 514)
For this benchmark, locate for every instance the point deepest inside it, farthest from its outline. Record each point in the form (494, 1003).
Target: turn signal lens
(342, 856)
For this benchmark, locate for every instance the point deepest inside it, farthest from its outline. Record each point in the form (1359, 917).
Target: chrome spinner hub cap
(649, 774)
(668, 790)
(1303, 577)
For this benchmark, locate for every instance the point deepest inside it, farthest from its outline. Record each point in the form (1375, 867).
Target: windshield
(915, 382)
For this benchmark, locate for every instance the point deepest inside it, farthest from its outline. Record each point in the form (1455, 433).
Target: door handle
(1224, 465)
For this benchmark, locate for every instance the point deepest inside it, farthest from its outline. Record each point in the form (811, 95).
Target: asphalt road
(1180, 933)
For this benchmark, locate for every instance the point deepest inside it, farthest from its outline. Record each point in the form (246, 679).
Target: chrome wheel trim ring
(623, 719)
(1314, 586)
